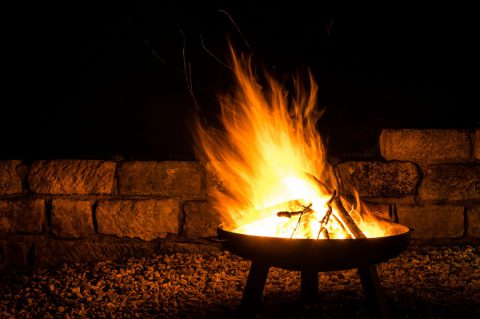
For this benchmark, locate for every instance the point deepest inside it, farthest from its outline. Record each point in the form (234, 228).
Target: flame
(270, 158)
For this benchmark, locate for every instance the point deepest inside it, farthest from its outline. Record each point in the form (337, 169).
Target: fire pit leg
(373, 291)
(309, 286)
(252, 294)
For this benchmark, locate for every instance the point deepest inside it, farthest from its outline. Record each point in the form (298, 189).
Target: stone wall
(64, 211)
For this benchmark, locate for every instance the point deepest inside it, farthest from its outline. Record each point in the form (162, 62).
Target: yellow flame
(265, 156)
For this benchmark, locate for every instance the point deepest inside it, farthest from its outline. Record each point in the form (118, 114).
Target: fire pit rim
(405, 231)
(315, 254)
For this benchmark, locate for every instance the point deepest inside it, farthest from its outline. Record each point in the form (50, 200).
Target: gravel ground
(423, 282)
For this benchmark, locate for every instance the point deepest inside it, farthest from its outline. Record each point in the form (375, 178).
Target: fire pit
(282, 203)
(311, 256)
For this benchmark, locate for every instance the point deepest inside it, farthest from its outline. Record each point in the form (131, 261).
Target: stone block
(200, 219)
(450, 182)
(378, 179)
(425, 145)
(476, 143)
(433, 221)
(473, 221)
(72, 177)
(160, 178)
(71, 219)
(10, 182)
(22, 216)
(144, 219)
(212, 181)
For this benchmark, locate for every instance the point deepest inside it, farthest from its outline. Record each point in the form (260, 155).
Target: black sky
(83, 81)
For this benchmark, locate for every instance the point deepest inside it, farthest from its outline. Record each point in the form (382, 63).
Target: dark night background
(82, 81)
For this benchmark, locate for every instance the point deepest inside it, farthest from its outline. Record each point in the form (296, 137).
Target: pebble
(423, 282)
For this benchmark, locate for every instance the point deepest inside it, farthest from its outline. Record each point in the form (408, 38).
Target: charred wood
(347, 220)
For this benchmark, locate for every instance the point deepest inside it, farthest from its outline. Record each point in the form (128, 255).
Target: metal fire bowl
(315, 255)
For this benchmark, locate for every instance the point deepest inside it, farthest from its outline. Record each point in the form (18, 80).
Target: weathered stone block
(50, 252)
(476, 143)
(377, 209)
(22, 216)
(473, 219)
(10, 182)
(200, 219)
(377, 179)
(160, 178)
(72, 177)
(213, 182)
(425, 145)
(72, 219)
(450, 182)
(433, 221)
(144, 219)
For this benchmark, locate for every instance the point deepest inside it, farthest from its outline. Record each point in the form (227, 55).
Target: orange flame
(266, 157)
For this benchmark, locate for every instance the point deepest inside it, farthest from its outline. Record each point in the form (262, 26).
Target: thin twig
(307, 209)
(329, 26)
(326, 217)
(213, 55)
(235, 25)
(187, 69)
(149, 46)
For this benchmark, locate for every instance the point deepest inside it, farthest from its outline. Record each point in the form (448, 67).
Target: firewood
(290, 214)
(335, 218)
(306, 210)
(291, 206)
(322, 186)
(326, 217)
(325, 234)
(347, 220)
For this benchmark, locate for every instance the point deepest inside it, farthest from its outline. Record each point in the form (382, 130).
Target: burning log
(322, 187)
(326, 218)
(325, 234)
(285, 209)
(288, 214)
(341, 225)
(347, 220)
(343, 215)
(291, 214)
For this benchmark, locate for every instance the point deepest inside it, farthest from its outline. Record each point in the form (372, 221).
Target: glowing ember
(271, 161)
